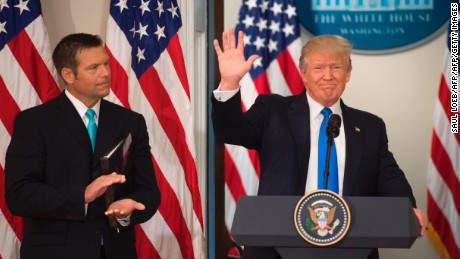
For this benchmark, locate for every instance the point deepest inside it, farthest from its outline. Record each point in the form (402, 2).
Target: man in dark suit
(285, 130)
(53, 176)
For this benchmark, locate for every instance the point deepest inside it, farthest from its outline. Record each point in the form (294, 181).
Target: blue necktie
(92, 127)
(333, 180)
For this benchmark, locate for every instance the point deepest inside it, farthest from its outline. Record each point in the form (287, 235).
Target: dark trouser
(102, 253)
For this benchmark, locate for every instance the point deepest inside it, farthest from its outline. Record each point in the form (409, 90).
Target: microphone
(333, 126)
(332, 131)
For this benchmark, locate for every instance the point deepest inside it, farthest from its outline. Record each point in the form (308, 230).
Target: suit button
(97, 232)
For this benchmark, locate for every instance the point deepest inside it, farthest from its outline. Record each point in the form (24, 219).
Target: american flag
(149, 76)
(27, 78)
(444, 171)
(270, 30)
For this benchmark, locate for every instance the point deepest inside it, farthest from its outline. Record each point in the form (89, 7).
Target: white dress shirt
(81, 109)
(316, 118)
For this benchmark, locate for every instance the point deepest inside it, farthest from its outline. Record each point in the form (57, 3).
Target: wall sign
(376, 26)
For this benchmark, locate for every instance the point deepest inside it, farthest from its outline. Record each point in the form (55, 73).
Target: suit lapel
(354, 149)
(299, 120)
(70, 118)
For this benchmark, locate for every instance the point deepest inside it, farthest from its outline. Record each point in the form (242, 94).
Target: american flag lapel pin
(357, 129)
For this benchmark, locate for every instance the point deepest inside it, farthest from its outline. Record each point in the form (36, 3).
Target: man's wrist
(228, 86)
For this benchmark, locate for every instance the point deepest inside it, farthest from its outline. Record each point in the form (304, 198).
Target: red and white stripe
(444, 174)
(162, 95)
(27, 78)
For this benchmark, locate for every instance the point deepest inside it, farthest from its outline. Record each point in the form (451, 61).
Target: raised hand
(232, 63)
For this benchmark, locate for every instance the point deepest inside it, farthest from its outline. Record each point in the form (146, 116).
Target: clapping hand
(123, 208)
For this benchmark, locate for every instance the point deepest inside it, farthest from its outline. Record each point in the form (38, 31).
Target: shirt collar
(315, 107)
(81, 108)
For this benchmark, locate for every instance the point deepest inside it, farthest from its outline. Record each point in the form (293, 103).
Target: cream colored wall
(63, 17)
(400, 88)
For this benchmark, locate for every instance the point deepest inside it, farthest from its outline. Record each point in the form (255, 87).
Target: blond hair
(326, 44)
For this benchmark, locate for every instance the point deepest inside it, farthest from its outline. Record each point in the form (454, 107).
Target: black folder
(115, 160)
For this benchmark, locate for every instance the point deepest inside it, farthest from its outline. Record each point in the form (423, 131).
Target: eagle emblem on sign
(323, 218)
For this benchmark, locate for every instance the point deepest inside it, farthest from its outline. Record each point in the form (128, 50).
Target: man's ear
(303, 75)
(67, 75)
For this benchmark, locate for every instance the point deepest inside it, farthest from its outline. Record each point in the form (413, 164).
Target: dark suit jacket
(49, 163)
(279, 129)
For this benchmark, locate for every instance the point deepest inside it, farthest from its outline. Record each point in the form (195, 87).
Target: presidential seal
(322, 217)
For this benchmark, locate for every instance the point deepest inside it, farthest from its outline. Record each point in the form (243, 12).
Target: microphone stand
(332, 131)
(326, 167)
